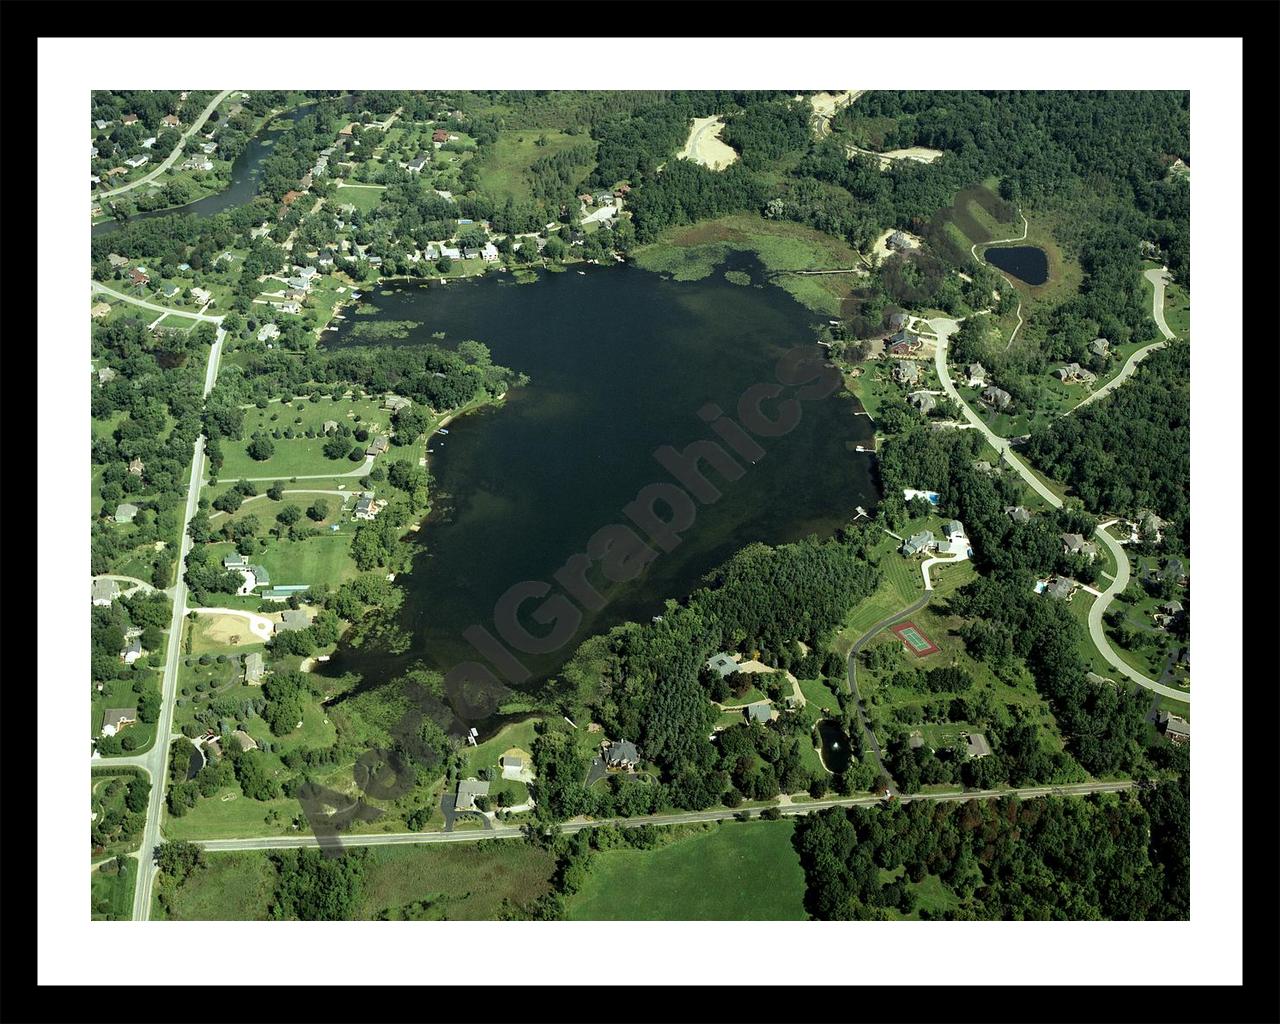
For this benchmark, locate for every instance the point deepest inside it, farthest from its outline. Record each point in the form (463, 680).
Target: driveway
(1158, 278)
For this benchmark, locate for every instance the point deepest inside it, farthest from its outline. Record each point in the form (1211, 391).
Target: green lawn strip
(932, 896)
(111, 891)
(229, 814)
(735, 871)
(486, 754)
(362, 198)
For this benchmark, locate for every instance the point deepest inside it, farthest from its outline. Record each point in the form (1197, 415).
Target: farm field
(744, 871)
(233, 886)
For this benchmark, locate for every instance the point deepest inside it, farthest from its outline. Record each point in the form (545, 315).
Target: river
(620, 361)
(245, 172)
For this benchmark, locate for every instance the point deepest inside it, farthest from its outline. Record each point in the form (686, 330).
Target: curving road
(99, 287)
(1158, 278)
(852, 670)
(177, 150)
(973, 250)
(790, 810)
(1099, 608)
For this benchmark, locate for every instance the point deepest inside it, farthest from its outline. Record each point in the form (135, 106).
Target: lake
(1025, 262)
(620, 361)
(245, 172)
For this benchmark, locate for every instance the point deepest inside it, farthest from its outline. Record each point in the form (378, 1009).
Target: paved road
(1158, 278)
(360, 471)
(1098, 609)
(944, 328)
(155, 760)
(689, 817)
(852, 670)
(196, 125)
(98, 287)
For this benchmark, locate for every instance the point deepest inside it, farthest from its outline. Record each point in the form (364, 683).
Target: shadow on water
(620, 362)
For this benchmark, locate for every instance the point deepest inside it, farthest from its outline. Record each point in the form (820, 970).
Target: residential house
(722, 664)
(104, 592)
(975, 745)
(170, 120)
(762, 713)
(295, 294)
(136, 466)
(585, 198)
(417, 163)
(244, 740)
(209, 148)
(1075, 544)
(268, 331)
(260, 575)
(898, 321)
(106, 375)
(116, 260)
(292, 619)
(984, 467)
(115, 719)
(1178, 730)
(898, 241)
(1151, 525)
(468, 790)
(437, 136)
(197, 163)
(129, 119)
(997, 398)
(977, 375)
(132, 650)
(902, 343)
(377, 446)
(290, 197)
(1173, 570)
(101, 125)
(1172, 609)
(957, 542)
(138, 277)
(922, 400)
(1017, 513)
(137, 161)
(289, 307)
(621, 754)
(171, 291)
(148, 143)
(1074, 373)
(489, 253)
(395, 403)
(368, 507)
(1060, 589)
(918, 542)
(470, 252)
(201, 295)
(906, 373)
(236, 562)
(253, 668)
(511, 765)
(623, 189)
(604, 198)
(1099, 346)
(125, 512)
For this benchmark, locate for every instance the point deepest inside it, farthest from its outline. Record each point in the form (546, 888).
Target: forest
(1132, 450)
(1047, 859)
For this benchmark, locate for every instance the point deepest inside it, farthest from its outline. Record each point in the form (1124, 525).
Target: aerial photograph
(638, 504)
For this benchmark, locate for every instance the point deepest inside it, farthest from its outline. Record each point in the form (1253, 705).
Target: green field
(363, 198)
(505, 170)
(466, 882)
(736, 871)
(232, 886)
(302, 456)
(111, 891)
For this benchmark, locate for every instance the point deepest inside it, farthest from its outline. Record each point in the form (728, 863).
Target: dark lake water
(245, 174)
(835, 745)
(620, 361)
(1025, 262)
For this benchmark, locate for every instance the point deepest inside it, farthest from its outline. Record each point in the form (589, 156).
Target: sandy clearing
(881, 248)
(917, 153)
(703, 146)
(221, 624)
(825, 105)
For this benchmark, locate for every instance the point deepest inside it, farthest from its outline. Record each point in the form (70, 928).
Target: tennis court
(913, 637)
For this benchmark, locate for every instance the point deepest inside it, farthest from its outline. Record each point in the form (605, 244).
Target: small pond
(835, 745)
(195, 763)
(1025, 262)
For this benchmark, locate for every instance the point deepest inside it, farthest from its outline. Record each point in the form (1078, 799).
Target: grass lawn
(505, 170)
(446, 882)
(735, 871)
(229, 814)
(322, 559)
(933, 898)
(232, 886)
(693, 252)
(902, 584)
(111, 891)
(519, 734)
(362, 197)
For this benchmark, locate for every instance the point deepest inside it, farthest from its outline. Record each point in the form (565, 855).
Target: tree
(289, 515)
(260, 449)
(276, 491)
(319, 510)
(179, 859)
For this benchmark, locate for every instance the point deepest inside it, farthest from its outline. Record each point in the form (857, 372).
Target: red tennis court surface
(914, 639)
